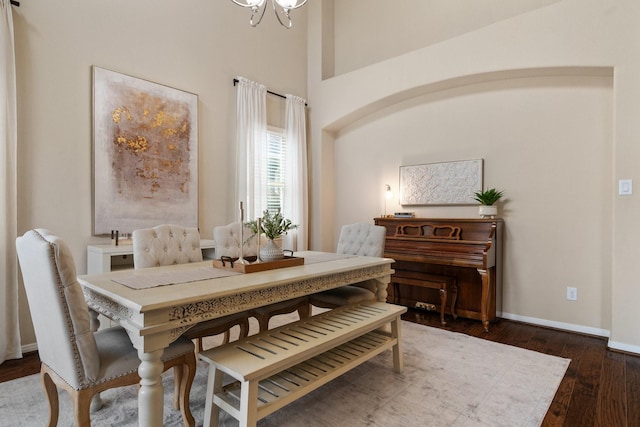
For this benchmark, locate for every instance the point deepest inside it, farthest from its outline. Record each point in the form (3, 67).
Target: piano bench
(445, 284)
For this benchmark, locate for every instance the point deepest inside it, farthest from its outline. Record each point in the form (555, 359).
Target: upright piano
(467, 252)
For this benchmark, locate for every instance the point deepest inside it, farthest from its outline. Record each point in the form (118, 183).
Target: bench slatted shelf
(275, 367)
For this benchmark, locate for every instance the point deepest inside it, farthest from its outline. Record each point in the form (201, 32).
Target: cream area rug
(449, 379)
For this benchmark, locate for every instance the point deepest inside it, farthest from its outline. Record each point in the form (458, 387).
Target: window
(276, 168)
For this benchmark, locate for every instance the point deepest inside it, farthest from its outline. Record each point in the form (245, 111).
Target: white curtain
(296, 201)
(9, 328)
(251, 147)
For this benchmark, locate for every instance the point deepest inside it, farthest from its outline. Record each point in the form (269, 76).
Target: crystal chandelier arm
(285, 12)
(249, 3)
(290, 4)
(254, 11)
(286, 6)
(258, 7)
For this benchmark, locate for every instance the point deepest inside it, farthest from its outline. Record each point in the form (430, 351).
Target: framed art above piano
(445, 183)
(463, 251)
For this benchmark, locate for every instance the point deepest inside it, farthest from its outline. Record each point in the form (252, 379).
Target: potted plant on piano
(487, 200)
(274, 226)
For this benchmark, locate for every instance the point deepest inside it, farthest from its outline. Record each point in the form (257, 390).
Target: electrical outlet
(572, 293)
(625, 187)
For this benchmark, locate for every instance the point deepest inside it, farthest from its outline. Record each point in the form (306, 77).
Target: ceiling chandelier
(280, 7)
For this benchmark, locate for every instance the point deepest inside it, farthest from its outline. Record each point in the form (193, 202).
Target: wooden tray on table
(228, 263)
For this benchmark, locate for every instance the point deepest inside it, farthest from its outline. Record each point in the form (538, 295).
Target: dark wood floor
(601, 387)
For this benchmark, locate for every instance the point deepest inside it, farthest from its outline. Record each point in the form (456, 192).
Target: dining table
(157, 305)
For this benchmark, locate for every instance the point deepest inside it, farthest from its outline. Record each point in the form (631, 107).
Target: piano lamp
(280, 7)
(388, 194)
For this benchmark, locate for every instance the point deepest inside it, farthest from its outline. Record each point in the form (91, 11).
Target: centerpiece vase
(271, 252)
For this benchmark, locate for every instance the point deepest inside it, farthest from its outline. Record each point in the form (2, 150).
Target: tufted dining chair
(74, 357)
(165, 244)
(355, 239)
(170, 244)
(228, 240)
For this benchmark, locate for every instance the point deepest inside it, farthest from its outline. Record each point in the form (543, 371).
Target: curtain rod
(235, 82)
(15, 3)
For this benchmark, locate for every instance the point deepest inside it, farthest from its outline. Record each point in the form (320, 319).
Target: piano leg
(454, 298)
(484, 305)
(443, 304)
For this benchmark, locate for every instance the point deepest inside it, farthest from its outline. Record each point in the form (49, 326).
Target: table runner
(313, 258)
(164, 278)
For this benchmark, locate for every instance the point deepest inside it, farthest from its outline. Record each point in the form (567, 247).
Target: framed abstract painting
(145, 154)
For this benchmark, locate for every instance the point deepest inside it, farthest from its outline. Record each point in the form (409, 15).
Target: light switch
(625, 187)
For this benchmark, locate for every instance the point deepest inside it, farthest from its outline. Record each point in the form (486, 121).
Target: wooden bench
(275, 367)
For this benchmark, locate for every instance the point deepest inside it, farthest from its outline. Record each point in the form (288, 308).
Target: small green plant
(273, 225)
(488, 197)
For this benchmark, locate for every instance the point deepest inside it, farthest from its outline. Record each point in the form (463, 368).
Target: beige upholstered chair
(355, 239)
(174, 244)
(228, 239)
(74, 357)
(165, 245)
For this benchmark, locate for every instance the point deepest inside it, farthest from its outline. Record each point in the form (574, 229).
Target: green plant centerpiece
(273, 226)
(487, 200)
(488, 197)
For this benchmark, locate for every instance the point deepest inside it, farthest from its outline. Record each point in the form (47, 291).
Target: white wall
(550, 100)
(555, 172)
(386, 30)
(197, 46)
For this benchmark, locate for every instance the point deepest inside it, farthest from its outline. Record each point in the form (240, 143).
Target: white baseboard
(558, 325)
(28, 348)
(628, 348)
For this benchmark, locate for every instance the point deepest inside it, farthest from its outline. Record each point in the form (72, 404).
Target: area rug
(449, 379)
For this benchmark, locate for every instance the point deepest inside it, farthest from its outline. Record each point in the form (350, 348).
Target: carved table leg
(150, 395)
(381, 288)
(381, 294)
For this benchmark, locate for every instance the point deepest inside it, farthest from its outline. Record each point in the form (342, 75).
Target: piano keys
(468, 251)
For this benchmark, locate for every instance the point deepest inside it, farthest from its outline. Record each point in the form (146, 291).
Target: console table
(105, 258)
(467, 251)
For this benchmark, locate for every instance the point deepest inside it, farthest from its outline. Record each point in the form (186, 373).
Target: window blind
(275, 169)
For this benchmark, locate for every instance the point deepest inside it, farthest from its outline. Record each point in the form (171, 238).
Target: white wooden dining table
(157, 305)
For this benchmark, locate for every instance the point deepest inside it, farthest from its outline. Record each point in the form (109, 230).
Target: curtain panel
(252, 156)
(296, 200)
(9, 327)
(251, 147)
